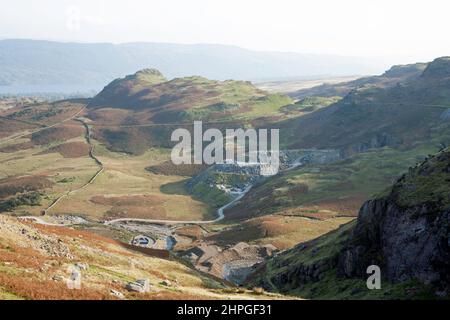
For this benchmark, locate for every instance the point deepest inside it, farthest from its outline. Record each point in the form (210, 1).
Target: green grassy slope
(187, 99)
(344, 185)
(141, 110)
(374, 116)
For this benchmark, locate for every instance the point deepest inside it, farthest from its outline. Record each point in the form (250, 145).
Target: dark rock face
(302, 274)
(406, 232)
(405, 243)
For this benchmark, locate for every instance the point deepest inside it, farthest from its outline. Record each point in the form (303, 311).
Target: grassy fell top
(133, 102)
(144, 76)
(123, 88)
(426, 183)
(186, 99)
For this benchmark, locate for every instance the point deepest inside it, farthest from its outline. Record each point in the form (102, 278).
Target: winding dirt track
(220, 214)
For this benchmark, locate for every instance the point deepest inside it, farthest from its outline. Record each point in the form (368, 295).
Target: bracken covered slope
(35, 262)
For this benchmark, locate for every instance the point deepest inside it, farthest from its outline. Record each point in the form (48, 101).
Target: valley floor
(86, 201)
(79, 184)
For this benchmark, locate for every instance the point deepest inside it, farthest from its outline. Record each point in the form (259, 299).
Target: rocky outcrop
(407, 232)
(302, 274)
(305, 263)
(405, 243)
(141, 286)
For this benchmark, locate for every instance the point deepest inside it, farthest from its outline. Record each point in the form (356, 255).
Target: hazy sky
(410, 29)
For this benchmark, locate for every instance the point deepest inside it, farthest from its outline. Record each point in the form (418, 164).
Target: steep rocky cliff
(405, 231)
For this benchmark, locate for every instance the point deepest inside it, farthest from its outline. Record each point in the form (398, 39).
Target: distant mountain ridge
(396, 74)
(395, 114)
(33, 62)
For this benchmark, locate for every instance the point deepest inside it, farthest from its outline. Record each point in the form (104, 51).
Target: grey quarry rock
(141, 286)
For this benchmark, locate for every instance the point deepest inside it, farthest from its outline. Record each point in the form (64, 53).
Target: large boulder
(141, 286)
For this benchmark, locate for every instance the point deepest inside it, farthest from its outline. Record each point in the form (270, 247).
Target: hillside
(404, 231)
(103, 165)
(180, 99)
(377, 131)
(36, 261)
(32, 62)
(321, 190)
(135, 113)
(400, 116)
(120, 91)
(396, 74)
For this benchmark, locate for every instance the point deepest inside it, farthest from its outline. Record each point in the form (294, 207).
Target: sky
(407, 30)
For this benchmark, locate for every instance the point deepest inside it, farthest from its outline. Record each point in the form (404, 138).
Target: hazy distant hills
(32, 62)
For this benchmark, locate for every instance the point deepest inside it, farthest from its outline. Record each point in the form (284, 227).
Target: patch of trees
(26, 199)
